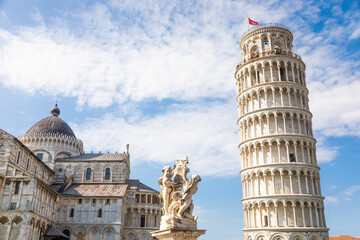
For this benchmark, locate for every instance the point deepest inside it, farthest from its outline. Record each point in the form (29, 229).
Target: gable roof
(135, 184)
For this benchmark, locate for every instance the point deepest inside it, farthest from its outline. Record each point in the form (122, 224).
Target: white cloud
(331, 200)
(208, 135)
(350, 191)
(125, 53)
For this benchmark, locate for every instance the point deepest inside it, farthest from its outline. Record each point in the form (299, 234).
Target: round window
(60, 170)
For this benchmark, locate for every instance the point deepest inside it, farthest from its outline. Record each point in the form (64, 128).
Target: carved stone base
(178, 234)
(169, 222)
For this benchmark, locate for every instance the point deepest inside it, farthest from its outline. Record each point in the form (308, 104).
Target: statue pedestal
(171, 222)
(178, 234)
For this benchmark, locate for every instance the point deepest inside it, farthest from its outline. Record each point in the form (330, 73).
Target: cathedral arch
(63, 154)
(298, 236)
(278, 237)
(131, 236)
(109, 233)
(94, 233)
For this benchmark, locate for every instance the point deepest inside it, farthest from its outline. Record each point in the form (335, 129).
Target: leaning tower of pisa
(280, 176)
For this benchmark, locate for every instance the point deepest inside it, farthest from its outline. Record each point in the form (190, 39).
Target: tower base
(177, 234)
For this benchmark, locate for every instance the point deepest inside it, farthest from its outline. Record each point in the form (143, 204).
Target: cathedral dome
(51, 126)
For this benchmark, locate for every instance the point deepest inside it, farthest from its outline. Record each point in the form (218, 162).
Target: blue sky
(159, 76)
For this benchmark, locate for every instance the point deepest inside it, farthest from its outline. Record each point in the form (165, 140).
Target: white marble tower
(280, 176)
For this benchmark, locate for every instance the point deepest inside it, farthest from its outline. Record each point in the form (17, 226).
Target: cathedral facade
(51, 189)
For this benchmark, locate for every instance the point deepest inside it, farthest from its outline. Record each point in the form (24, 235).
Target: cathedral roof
(102, 189)
(51, 126)
(93, 190)
(96, 157)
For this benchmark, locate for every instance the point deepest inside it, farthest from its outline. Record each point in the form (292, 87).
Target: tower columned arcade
(280, 176)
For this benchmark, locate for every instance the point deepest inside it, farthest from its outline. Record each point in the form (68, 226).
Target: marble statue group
(177, 192)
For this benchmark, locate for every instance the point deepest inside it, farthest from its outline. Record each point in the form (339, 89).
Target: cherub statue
(175, 203)
(181, 170)
(167, 187)
(187, 206)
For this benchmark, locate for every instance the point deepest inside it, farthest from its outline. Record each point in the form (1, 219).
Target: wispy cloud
(350, 191)
(121, 53)
(207, 135)
(331, 200)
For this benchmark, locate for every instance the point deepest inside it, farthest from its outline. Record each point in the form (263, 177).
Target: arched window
(100, 213)
(66, 232)
(88, 173)
(142, 221)
(28, 164)
(265, 42)
(18, 158)
(72, 212)
(17, 187)
(107, 174)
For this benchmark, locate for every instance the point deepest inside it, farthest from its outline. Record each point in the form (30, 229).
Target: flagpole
(248, 22)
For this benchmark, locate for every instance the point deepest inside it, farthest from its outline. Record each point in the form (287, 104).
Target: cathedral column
(18, 204)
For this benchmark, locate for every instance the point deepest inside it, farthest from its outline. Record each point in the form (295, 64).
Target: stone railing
(264, 25)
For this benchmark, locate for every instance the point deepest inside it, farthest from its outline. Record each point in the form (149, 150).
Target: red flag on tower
(252, 22)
